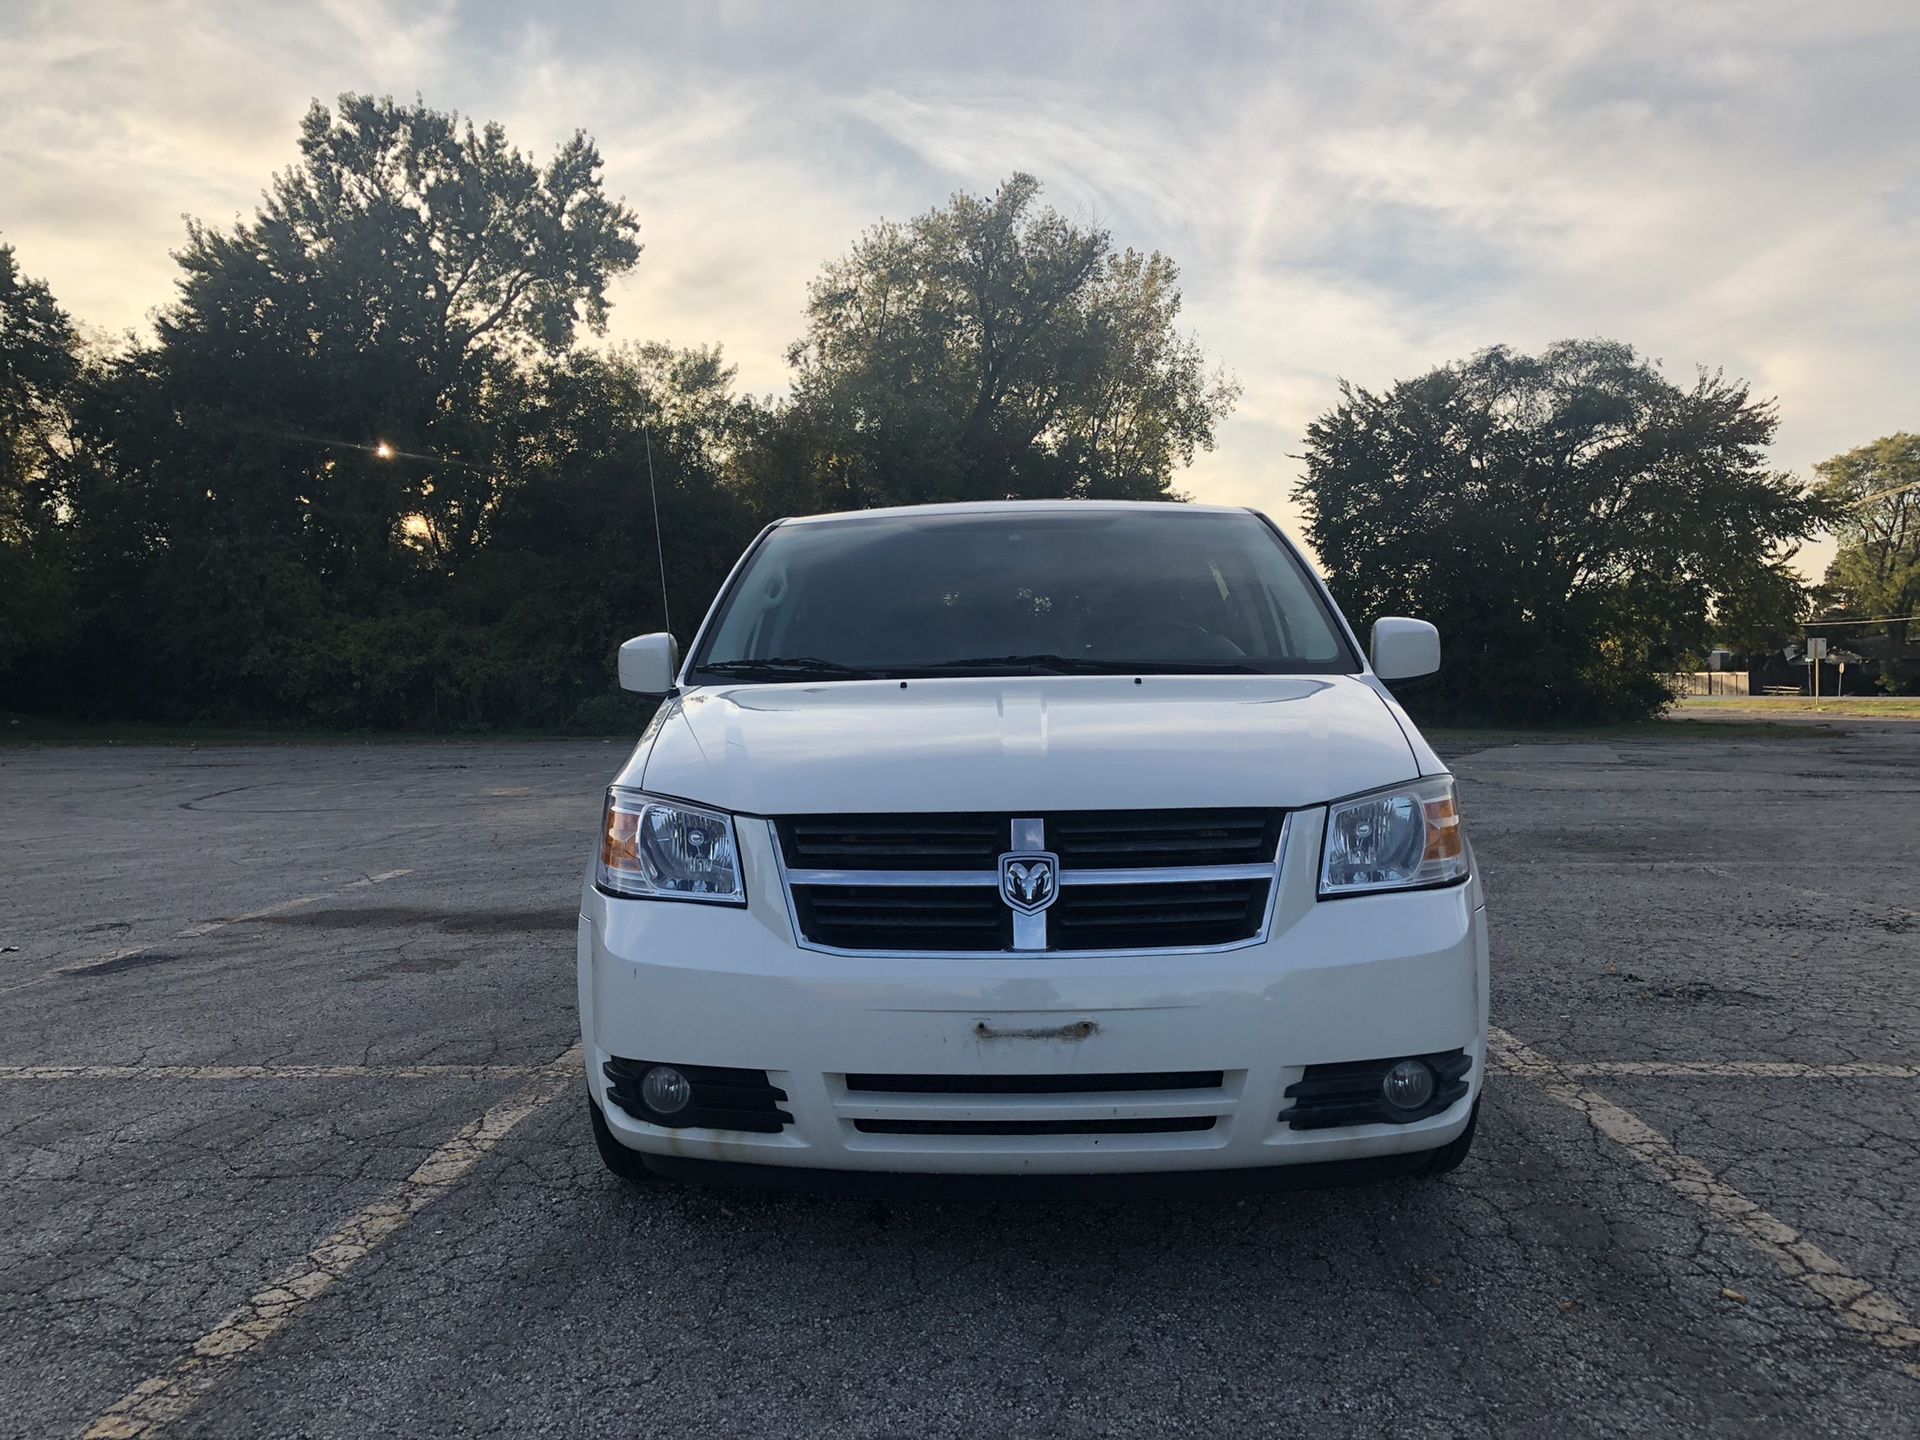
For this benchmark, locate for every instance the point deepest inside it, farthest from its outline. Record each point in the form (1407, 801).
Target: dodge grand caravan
(1036, 839)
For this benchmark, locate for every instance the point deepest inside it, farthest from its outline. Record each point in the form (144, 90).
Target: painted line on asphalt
(1579, 1069)
(268, 1072)
(1736, 1070)
(153, 1404)
(1854, 1301)
(194, 932)
(1499, 1064)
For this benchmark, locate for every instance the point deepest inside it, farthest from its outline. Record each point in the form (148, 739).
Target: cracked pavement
(201, 1080)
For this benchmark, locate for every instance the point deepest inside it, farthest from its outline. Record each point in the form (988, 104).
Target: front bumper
(1361, 978)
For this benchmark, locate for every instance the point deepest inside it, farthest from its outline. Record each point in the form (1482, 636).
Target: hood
(1037, 743)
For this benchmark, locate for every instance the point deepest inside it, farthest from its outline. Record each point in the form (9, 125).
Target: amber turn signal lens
(1444, 841)
(620, 842)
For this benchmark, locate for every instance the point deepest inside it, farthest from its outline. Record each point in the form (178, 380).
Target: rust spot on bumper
(1078, 1030)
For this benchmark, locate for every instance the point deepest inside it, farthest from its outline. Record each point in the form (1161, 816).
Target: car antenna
(659, 541)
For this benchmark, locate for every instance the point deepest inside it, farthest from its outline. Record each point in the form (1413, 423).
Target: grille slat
(1228, 852)
(1161, 837)
(1170, 909)
(1142, 1125)
(1034, 1084)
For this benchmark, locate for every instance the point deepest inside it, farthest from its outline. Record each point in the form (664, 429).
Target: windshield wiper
(788, 667)
(1079, 665)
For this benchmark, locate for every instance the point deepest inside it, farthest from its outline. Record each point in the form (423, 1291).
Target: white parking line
(194, 932)
(1855, 1302)
(153, 1404)
(268, 1072)
(1737, 1070)
(1499, 1064)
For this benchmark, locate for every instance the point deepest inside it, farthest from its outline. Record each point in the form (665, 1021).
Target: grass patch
(1864, 707)
(1629, 731)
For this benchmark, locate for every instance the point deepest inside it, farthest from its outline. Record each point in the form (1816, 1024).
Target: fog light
(1408, 1085)
(668, 1092)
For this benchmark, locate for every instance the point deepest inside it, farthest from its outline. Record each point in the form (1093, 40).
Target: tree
(573, 567)
(387, 289)
(1569, 519)
(1762, 610)
(1874, 494)
(993, 348)
(524, 632)
(40, 368)
(334, 405)
(367, 473)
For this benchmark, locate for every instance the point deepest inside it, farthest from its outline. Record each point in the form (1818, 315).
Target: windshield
(1000, 592)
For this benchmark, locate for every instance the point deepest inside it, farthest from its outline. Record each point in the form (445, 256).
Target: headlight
(661, 849)
(1394, 840)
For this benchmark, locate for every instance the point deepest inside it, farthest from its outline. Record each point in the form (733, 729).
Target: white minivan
(1048, 842)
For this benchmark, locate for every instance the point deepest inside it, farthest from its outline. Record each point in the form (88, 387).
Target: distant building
(1854, 668)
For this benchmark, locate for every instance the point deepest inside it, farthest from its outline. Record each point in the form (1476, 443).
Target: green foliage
(992, 349)
(392, 288)
(40, 369)
(1761, 610)
(365, 474)
(1875, 495)
(1570, 520)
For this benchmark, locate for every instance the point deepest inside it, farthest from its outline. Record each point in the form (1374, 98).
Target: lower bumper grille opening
(1143, 1125)
(724, 1098)
(1036, 1084)
(1348, 1093)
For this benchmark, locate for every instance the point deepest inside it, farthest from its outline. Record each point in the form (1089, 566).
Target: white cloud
(1351, 191)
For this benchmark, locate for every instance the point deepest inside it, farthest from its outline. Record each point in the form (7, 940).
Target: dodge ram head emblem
(1028, 879)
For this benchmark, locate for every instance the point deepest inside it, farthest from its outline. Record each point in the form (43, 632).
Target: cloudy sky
(1357, 191)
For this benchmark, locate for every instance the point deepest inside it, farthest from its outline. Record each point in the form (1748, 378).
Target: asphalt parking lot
(291, 1142)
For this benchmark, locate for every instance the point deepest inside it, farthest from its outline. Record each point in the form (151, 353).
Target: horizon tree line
(370, 469)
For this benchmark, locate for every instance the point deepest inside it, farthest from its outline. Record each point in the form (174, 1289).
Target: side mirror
(648, 664)
(1404, 649)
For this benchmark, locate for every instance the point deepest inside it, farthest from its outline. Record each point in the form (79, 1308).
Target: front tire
(1447, 1158)
(623, 1162)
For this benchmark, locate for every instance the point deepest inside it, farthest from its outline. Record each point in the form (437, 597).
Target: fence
(1710, 682)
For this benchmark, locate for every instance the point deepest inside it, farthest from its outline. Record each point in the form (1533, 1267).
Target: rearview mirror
(1404, 649)
(648, 664)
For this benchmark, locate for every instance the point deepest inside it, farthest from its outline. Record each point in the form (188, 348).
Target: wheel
(1448, 1157)
(623, 1162)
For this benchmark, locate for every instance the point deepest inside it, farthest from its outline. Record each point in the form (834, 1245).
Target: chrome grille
(1125, 880)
